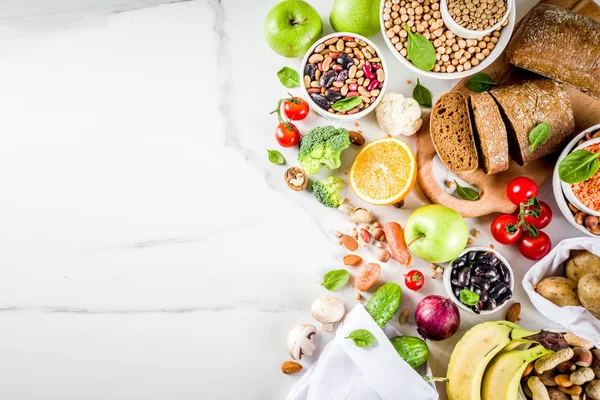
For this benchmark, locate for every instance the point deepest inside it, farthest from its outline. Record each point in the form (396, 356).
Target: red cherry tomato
(414, 280)
(295, 108)
(543, 212)
(287, 134)
(535, 248)
(505, 229)
(521, 189)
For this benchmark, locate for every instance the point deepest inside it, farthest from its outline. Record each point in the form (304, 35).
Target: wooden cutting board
(493, 187)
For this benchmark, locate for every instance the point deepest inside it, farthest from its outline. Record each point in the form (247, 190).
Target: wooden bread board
(492, 188)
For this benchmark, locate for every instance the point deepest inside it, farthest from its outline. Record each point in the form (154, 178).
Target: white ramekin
(469, 33)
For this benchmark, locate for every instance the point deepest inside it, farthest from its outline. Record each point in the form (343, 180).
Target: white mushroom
(300, 341)
(328, 310)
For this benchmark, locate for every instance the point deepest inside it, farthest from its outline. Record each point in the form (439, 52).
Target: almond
(512, 314)
(349, 243)
(290, 367)
(352, 260)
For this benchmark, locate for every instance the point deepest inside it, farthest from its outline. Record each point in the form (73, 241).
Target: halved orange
(384, 171)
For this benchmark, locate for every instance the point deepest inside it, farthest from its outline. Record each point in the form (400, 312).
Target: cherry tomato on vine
(539, 216)
(295, 108)
(414, 280)
(535, 248)
(521, 189)
(506, 229)
(287, 134)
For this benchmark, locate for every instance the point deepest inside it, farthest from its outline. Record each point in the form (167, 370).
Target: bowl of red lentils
(456, 57)
(344, 76)
(586, 195)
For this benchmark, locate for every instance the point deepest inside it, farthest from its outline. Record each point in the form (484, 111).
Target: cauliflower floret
(398, 115)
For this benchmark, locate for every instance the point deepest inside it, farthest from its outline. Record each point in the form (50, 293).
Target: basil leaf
(578, 166)
(538, 135)
(468, 297)
(336, 279)
(362, 338)
(347, 104)
(288, 77)
(420, 50)
(276, 157)
(480, 82)
(466, 193)
(422, 95)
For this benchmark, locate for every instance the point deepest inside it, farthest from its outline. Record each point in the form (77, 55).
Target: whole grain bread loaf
(452, 134)
(559, 44)
(528, 104)
(490, 133)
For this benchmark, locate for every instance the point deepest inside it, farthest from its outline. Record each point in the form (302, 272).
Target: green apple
(436, 233)
(357, 16)
(291, 27)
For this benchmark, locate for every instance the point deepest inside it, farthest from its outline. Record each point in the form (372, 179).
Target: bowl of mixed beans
(344, 76)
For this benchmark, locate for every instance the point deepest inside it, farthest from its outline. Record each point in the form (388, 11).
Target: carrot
(395, 239)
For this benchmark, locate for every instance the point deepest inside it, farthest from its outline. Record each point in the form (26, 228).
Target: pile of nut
(477, 15)
(343, 67)
(570, 373)
(453, 53)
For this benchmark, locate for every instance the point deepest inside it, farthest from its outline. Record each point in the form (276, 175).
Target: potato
(560, 291)
(589, 292)
(580, 263)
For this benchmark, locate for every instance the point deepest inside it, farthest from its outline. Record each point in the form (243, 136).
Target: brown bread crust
(490, 133)
(559, 44)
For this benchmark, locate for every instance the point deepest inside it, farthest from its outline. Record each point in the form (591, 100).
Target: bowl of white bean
(456, 57)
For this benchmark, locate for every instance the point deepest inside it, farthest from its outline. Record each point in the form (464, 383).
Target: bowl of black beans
(479, 280)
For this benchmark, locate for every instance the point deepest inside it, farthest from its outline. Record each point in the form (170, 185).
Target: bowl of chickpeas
(456, 57)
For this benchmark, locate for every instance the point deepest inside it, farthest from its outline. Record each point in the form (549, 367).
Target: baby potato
(580, 263)
(559, 290)
(588, 289)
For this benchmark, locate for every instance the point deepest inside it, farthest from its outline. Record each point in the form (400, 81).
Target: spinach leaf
(276, 157)
(347, 104)
(420, 50)
(362, 338)
(468, 297)
(422, 95)
(480, 82)
(578, 166)
(538, 135)
(336, 279)
(466, 193)
(288, 77)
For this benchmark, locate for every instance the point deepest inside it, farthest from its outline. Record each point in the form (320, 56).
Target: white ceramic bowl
(568, 191)
(469, 33)
(342, 117)
(500, 46)
(448, 284)
(557, 186)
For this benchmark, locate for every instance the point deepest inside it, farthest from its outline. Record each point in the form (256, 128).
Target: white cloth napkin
(574, 319)
(345, 371)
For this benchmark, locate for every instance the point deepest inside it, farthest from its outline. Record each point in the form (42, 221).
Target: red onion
(437, 318)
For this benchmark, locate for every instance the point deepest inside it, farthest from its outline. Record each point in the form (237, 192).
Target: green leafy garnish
(362, 338)
(288, 77)
(538, 135)
(578, 166)
(347, 104)
(336, 279)
(420, 50)
(422, 95)
(480, 82)
(276, 157)
(468, 297)
(466, 193)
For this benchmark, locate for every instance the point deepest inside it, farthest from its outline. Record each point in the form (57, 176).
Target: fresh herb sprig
(578, 166)
(420, 50)
(276, 157)
(336, 279)
(538, 135)
(288, 77)
(480, 82)
(362, 338)
(422, 95)
(466, 193)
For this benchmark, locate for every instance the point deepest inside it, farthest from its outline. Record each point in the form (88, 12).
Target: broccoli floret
(322, 145)
(327, 191)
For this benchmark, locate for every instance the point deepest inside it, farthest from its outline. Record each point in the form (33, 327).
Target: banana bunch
(488, 362)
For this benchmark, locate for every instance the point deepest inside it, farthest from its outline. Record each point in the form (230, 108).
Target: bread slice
(452, 134)
(526, 105)
(490, 133)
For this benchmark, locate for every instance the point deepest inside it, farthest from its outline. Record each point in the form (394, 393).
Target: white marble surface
(149, 249)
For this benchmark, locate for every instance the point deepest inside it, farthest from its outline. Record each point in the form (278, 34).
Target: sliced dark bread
(452, 134)
(528, 104)
(490, 133)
